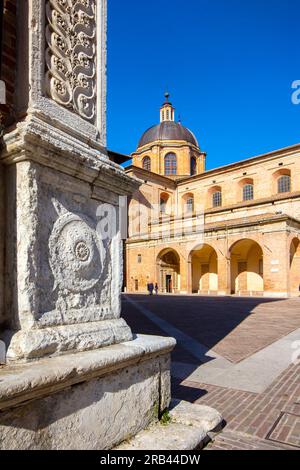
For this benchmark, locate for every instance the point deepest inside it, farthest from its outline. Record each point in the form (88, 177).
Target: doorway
(168, 271)
(169, 284)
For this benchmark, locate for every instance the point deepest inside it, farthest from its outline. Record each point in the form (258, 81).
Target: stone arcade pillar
(75, 378)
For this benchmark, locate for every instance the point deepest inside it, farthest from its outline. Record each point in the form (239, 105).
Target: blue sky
(228, 65)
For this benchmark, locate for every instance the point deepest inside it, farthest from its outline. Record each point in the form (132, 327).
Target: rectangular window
(139, 259)
(217, 199)
(248, 193)
(284, 184)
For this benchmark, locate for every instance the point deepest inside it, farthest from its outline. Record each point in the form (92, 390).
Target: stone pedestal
(89, 401)
(63, 280)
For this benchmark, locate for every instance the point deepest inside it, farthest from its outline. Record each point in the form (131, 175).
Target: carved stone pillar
(63, 280)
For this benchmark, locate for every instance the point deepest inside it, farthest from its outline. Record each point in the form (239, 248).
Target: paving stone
(251, 418)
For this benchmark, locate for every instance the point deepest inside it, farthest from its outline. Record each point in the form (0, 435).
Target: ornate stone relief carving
(77, 254)
(71, 55)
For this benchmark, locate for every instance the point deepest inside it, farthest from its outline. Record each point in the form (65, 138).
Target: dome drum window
(170, 164)
(193, 166)
(147, 163)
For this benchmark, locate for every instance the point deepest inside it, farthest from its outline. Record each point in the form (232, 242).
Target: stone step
(187, 429)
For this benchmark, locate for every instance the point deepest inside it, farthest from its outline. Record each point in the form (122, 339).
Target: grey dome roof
(167, 130)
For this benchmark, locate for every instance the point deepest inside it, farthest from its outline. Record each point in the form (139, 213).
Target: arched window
(163, 203)
(217, 199)
(170, 164)
(147, 163)
(188, 203)
(193, 166)
(284, 184)
(248, 192)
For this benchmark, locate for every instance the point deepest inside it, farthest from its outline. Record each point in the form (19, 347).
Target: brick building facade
(231, 230)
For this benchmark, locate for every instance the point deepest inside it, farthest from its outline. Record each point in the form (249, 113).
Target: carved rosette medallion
(71, 55)
(76, 254)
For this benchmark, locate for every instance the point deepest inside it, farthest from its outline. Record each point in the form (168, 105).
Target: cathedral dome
(168, 130)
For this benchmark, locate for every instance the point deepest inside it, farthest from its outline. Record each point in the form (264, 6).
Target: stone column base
(87, 401)
(36, 343)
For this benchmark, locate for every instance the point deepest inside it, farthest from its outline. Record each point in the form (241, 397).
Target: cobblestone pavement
(268, 420)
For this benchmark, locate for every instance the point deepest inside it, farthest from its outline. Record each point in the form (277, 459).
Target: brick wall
(8, 59)
(8, 62)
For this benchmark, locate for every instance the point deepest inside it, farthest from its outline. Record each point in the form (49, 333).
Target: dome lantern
(167, 112)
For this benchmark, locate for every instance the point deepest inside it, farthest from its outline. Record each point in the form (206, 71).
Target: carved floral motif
(71, 55)
(77, 254)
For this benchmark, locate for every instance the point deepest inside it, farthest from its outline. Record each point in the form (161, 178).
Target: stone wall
(9, 58)
(2, 235)
(8, 67)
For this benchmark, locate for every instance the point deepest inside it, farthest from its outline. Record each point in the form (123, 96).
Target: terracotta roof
(249, 220)
(254, 202)
(117, 157)
(149, 175)
(241, 163)
(252, 220)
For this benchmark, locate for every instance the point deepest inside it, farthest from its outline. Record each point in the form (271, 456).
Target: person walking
(156, 288)
(150, 288)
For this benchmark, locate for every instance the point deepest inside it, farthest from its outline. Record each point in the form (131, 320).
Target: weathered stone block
(65, 272)
(92, 400)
